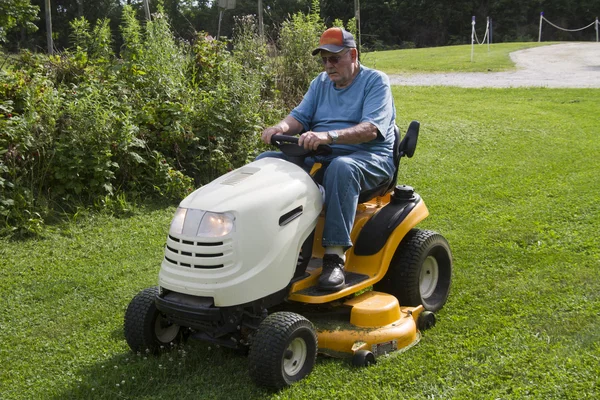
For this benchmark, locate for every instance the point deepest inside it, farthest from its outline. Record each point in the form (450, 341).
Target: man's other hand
(311, 140)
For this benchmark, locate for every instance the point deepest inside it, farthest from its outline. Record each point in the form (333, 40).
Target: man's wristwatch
(333, 135)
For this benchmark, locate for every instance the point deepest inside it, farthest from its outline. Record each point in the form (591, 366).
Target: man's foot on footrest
(332, 275)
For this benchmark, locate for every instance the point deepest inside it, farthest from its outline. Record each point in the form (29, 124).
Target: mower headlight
(178, 220)
(192, 222)
(216, 224)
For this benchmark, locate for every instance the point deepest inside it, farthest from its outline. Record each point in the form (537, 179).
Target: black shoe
(332, 275)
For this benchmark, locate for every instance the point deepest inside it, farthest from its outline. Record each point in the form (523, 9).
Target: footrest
(352, 279)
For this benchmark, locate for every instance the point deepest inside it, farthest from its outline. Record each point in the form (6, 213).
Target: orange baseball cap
(335, 40)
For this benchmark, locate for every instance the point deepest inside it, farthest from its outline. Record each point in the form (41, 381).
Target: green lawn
(510, 177)
(447, 59)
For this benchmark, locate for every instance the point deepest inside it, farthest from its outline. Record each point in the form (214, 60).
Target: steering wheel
(289, 146)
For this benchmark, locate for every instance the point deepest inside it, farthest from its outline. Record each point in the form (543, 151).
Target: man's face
(340, 67)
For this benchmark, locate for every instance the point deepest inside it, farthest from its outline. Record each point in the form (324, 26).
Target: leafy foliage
(15, 13)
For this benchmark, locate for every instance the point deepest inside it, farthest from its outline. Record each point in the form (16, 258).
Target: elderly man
(349, 107)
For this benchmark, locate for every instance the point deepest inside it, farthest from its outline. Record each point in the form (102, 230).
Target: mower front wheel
(146, 329)
(283, 350)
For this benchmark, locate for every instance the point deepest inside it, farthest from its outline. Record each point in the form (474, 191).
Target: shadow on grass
(63, 220)
(191, 371)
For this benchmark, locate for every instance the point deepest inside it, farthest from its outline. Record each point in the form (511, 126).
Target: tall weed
(297, 67)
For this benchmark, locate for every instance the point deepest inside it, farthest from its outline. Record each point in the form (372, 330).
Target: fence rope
(568, 30)
(487, 29)
(475, 38)
(543, 18)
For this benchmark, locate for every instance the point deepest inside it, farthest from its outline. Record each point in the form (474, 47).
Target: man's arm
(287, 126)
(361, 133)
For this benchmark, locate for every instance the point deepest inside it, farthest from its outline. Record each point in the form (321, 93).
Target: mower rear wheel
(146, 329)
(420, 271)
(283, 350)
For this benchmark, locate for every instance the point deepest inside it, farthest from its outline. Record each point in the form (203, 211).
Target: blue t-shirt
(368, 98)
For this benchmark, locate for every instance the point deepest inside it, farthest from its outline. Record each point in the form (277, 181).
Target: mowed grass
(510, 177)
(447, 59)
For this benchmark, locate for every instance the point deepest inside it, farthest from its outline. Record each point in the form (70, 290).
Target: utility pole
(147, 9)
(357, 17)
(261, 27)
(229, 5)
(49, 27)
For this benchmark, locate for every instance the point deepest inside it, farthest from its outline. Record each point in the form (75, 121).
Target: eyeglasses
(333, 60)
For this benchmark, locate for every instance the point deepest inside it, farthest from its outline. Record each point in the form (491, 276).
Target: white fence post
(487, 29)
(541, 18)
(472, 36)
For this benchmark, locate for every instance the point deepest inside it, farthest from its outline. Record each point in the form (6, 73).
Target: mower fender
(376, 232)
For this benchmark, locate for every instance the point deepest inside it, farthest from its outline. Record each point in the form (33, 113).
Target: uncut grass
(447, 58)
(510, 179)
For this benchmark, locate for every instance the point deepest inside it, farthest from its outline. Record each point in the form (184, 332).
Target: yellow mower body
(377, 324)
(374, 266)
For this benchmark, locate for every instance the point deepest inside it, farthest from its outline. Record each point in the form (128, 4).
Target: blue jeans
(346, 175)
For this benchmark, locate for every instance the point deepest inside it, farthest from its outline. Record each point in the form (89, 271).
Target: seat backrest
(409, 143)
(405, 147)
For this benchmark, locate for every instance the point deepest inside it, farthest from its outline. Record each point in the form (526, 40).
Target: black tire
(146, 329)
(426, 320)
(363, 358)
(420, 271)
(283, 350)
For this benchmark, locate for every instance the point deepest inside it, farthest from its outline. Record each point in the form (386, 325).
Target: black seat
(405, 147)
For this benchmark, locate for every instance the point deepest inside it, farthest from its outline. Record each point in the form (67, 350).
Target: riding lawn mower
(243, 256)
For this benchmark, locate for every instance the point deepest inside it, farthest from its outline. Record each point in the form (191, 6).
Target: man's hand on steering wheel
(311, 140)
(267, 133)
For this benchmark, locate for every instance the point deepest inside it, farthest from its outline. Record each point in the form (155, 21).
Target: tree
(15, 14)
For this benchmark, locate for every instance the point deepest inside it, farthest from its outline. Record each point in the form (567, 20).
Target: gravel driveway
(569, 65)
